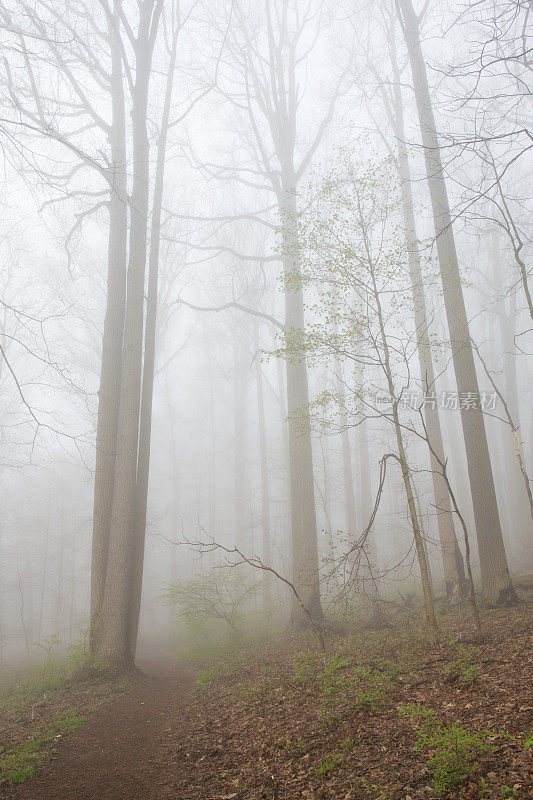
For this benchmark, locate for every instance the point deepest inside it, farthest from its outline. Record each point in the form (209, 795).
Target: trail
(121, 751)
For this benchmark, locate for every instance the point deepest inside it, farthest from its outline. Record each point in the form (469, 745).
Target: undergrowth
(19, 763)
(466, 667)
(452, 751)
(342, 683)
(335, 759)
(45, 676)
(206, 677)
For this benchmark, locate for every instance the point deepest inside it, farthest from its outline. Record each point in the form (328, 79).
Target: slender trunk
(60, 582)
(417, 533)
(424, 536)
(114, 648)
(72, 603)
(450, 552)
(212, 529)
(24, 627)
(111, 365)
(370, 588)
(496, 581)
(365, 484)
(447, 538)
(515, 462)
(239, 440)
(145, 423)
(175, 477)
(45, 568)
(301, 481)
(347, 469)
(282, 397)
(263, 457)
(325, 495)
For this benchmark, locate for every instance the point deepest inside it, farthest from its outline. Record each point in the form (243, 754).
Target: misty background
(219, 436)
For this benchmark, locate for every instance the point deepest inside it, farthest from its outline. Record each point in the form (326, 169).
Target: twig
(256, 563)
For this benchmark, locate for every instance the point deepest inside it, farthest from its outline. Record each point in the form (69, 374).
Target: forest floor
(380, 716)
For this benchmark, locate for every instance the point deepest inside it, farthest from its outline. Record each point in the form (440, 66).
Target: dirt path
(255, 733)
(119, 753)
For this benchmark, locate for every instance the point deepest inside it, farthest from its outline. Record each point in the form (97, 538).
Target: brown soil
(117, 753)
(259, 733)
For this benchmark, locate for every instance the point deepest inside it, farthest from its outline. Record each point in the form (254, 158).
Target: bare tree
(496, 580)
(52, 118)
(391, 94)
(271, 101)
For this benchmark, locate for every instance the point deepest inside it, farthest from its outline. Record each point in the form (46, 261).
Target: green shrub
(456, 751)
(466, 667)
(452, 750)
(58, 668)
(221, 595)
(341, 683)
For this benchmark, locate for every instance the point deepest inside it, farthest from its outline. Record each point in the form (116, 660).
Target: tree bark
(114, 649)
(443, 506)
(263, 458)
(145, 423)
(301, 480)
(111, 364)
(496, 581)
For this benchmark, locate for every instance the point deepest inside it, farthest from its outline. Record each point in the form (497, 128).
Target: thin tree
(351, 254)
(393, 105)
(496, 580)
(271, 102)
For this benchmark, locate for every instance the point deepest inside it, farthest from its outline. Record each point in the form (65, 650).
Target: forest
(266, 338)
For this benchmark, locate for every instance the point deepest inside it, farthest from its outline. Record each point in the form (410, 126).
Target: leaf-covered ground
(381, 715)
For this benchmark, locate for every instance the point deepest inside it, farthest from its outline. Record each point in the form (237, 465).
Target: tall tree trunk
(72, 612)
(496, 581)
(240, 476)
(365, 506)
(263, 458)
(325, 497)
(60, 601)
(443, 506)
(365, 476)
(175, 477)
(212, 529)
(111, 364)
(301, 481)
(282, 398)
(45, 568)
(520, 507)
(114, 648)
(145, 423)
(272, 91)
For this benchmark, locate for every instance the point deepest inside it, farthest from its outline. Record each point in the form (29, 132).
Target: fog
(252, 272)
